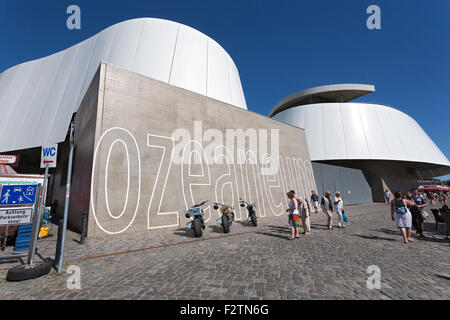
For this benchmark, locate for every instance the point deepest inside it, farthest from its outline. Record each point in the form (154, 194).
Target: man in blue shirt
(315, 201)
(416, 211)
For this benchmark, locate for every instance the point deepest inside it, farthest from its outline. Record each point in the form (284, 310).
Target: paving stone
(257, 264)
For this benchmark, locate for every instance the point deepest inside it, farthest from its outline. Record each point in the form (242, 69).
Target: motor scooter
(251, 211)
(227, 216)
(196, 223)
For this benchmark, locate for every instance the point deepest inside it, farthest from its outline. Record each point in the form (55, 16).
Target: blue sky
(279, 47)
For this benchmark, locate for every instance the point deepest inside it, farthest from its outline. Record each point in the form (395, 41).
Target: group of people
(299, 211)
(408, 211)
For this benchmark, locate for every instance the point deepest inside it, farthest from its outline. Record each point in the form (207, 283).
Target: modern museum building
(161, 123)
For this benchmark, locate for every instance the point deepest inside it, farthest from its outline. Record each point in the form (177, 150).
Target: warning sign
(13, 217)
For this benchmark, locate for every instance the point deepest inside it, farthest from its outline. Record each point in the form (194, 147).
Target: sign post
(35, 227)
(66, 202)
(48, 160)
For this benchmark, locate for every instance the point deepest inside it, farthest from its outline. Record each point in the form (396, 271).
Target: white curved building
(38, 98)
(361, 135)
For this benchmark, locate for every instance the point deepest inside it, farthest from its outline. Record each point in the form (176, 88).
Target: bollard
(58, 241)
(83, 227)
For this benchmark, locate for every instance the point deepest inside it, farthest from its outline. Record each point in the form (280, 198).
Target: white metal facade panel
(355, 137)
(376, 141)
(392, 131)
(218, 75)
(190, 60)
(155, 61)
(38, 98)
(237, 95)
(125, 44)
(333, 131)
(380, 133)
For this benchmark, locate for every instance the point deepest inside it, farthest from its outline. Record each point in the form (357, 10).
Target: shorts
(315, 203)
(293, 224)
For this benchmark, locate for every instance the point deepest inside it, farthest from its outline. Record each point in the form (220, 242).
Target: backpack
(401, 209)
(300, 203)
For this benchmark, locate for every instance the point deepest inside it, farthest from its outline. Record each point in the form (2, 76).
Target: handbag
(344, 216)
(424, 215)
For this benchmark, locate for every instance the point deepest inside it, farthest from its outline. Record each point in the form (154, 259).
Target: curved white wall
(38, 98)
(346, 131)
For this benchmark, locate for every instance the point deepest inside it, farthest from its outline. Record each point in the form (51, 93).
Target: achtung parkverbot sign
(15, 216)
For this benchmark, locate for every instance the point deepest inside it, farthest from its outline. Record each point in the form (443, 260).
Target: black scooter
(251, 211)
(197, 223)
(227, 218)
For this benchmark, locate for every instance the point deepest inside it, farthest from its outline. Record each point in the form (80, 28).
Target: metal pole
(5, 239)
(83, 227)
(35, 227)
(66, 203)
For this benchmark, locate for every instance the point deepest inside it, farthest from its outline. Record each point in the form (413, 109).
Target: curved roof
(361, 131)
(38, 98)
(323, 94)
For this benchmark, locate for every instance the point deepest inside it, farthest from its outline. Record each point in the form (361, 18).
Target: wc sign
(48, 156)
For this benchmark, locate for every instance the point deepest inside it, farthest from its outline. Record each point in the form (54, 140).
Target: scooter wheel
(197, 226)
(225, 224)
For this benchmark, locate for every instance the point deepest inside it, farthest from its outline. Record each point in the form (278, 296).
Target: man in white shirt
(338, 207)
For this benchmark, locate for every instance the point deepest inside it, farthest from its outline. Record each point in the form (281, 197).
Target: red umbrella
(435, 188)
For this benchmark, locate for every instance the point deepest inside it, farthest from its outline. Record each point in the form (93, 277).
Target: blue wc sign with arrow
(48, 155)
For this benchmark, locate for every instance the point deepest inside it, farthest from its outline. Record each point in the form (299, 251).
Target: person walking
(444, 198)
(387, 196)
(401, 214)
(304, 214)
(315, 201)
(416, 211)
(294, 217)
(327, 208)
(339, 207)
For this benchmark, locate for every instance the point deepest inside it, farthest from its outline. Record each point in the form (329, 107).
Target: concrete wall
(351, 183)
(156, 150)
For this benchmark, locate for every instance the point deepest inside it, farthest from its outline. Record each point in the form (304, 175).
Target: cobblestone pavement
(252, 263)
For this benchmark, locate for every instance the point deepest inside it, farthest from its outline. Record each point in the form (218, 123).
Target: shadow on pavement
(370, 237)
(184, 232)
(275, 235)
(319, 226)
(217, 229)
(245, 223)
(426, 238)
(443, 276)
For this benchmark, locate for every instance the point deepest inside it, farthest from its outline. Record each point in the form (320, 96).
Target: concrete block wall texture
(148, 150)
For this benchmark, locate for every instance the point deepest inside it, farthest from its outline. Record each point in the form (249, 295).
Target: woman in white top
(338, 207)
(294, 217)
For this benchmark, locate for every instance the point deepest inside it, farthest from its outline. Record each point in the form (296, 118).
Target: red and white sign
(7, 159)
(48, 156)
